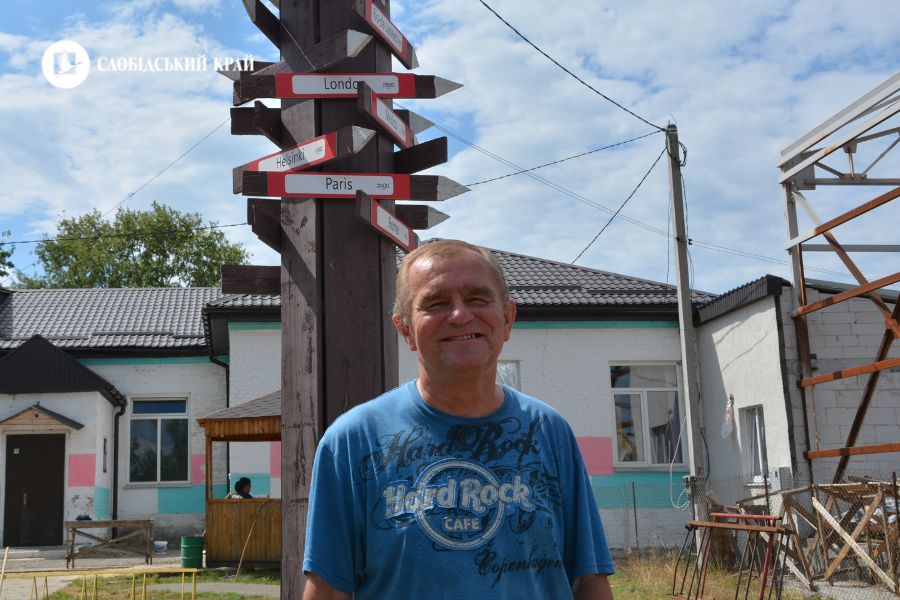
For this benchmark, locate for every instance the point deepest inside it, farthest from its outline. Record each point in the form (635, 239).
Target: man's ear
(403, 330)
(509, 317)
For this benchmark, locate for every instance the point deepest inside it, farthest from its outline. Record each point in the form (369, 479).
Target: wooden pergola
(245, 530)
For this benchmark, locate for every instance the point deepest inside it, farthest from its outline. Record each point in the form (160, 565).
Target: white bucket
(160, 546)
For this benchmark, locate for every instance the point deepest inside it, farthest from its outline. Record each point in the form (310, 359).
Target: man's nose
(460, 312)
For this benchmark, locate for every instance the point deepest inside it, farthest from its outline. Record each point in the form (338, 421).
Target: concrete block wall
(841, 336)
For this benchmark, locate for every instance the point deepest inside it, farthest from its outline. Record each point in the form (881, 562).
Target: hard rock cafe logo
(459, 504)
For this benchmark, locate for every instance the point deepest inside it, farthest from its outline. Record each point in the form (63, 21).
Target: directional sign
(384, 222)
(384, 117)
(338, 85)
(420, 216)
(381, 24)
(383, 186)
(335, 145)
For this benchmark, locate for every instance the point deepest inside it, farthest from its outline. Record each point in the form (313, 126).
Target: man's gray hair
(437, 251)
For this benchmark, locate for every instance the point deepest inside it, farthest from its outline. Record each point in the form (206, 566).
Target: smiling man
(452, 485)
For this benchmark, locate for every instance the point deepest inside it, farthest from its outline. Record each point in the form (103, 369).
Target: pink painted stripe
(82, 470)
(597, 454)
(275, 459)
(198, 468)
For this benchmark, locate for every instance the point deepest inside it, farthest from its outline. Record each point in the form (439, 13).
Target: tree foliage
(5, 255)
(159, 247)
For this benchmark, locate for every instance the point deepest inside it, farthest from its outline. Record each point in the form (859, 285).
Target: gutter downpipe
(115, 485)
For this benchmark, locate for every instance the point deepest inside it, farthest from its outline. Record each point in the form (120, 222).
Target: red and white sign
(389, 225)
(382, 24)
(398, 129)
(307, 154)
(343, 85)
(338, 185)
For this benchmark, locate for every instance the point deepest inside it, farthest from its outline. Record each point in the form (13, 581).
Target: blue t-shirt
(410, 502)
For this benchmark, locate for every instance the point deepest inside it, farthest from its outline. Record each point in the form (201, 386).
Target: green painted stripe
(147, 360)
(102, 506)
(224, 358)
(595, 325)
(244, 326)
(652, 489)
(185, 500)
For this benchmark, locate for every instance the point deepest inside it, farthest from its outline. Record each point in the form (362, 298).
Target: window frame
(646, 464)
(751, 417)
(158, 418)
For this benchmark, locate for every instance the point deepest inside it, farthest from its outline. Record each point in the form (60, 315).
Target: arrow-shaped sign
(420, 216)
(382, 25)
(339, 85)
(383, 186)
(385, 118)
(342, 143)
(384, 222)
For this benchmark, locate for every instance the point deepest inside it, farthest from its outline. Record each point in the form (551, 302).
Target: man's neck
(461, 396)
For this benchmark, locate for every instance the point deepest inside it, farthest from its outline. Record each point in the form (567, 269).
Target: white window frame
(645, 424)
(158, 417)
(751, 416)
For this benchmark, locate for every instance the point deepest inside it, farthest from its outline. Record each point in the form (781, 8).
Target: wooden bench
(136, 527)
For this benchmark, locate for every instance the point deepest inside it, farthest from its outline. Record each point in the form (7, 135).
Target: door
(33, 511)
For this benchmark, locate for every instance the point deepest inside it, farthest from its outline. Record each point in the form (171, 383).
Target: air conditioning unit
(780, 478)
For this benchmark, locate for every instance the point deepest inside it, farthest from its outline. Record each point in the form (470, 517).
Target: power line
(557, 63)
(101, 236)
(561, 160)
(621, 206)
(167, 167)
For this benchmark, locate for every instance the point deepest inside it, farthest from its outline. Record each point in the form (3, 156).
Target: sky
(741, 80)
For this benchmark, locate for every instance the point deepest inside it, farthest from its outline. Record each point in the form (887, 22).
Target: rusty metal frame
(802, 166)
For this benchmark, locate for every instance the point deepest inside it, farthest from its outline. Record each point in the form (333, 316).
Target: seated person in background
(241, 489)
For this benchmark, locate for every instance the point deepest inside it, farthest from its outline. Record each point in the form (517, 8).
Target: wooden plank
(860, 527)
(736, 527)
(228, 527)
(265, 20)
(385, 222)
(300, 84)
(383, 117)
(320, 150)
(854, 450)
(259, 119)
(852, 372)
(846, 295)
(251, 279)
(264, 217)
(416, 122)
(382, 186)
(301, 327)
(847, 216)
(420, 216)
(380, 22)
(234, 69)
(852, 544)
(421, 156)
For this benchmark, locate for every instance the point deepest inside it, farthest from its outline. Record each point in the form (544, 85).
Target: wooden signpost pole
(337, 284)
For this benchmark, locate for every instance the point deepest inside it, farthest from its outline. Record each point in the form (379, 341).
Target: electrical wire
(167, 167)
(562, 160)
(621, 206)
(101, 236)
(567, 71)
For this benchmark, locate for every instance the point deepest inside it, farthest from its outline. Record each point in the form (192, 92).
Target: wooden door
(33, 511)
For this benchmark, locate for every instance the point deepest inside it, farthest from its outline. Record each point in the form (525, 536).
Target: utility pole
(689, 366)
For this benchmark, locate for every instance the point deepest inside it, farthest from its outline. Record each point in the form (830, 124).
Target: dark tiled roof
(155, 318)
(767, 285)
(264, 406)
(537, 282)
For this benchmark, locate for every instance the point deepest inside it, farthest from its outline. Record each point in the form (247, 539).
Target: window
(648, 414)
(755, 442)
(508, 373)
(159, 440)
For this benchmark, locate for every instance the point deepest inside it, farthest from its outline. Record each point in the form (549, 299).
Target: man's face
(457, 321)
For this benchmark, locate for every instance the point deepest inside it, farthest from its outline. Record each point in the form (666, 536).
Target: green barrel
(191, 552)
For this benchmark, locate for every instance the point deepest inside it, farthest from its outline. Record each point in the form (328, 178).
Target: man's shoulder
(369, 415)
(536, 408)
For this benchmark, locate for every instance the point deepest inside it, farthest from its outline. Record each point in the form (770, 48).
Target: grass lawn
(119, 588)
(650, 576)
